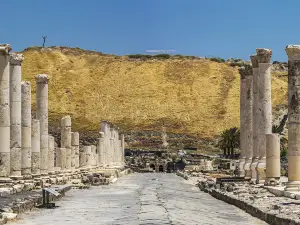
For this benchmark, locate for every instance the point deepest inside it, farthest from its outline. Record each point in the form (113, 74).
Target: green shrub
(217, 59)
(162, 56)
(139, 56)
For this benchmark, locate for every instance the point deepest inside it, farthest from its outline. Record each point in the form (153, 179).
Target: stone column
(243, 94)
(265, 109)
(293, 52)
(255, 156)
(111, 147)
(51, 149)
(61, 158)
(94, 155)
(4, 111)
(82, 158)
(42, 116)
(101, 149)
(89, 158)
(273, 159)
(122, 148)
(248, 120)
(26, 129)
(66, 136)
(15, 114)
(35, 148)
(75, 145)
(73, 149)
(106, 140)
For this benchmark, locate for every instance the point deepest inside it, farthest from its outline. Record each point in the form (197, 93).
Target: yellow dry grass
(197, 97)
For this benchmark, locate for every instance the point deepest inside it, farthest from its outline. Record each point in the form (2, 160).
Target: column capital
(16, 59)
(264, 55)
(254, 61)
(42, 78)
(5, 49)
(293, 52)
(245, 70)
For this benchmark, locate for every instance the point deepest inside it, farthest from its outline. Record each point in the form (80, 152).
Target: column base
(247, 168)
(261, 171)
(15, 177)
(292, 186)
(253, 170)
(272, 181)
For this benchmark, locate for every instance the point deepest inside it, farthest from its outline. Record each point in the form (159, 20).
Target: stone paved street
(140, 199)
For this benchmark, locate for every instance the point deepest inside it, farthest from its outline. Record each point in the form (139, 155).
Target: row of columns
(256, 138)
(26, 148)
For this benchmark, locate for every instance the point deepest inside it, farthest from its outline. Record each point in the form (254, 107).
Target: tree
(44, 40)
(229, 140)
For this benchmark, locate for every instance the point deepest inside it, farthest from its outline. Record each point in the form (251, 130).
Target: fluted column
(51, 149)
(35, 148)
(265, 109)
(75, 145)
(15, 114)
(26, 128)
(42, 116)
(4, 111)
(293, 52)
(66, 136)
(255, 111)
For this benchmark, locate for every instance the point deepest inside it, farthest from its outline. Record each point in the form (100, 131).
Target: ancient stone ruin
(28, 153)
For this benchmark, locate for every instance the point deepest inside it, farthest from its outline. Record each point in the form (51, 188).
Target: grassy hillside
(193, 96)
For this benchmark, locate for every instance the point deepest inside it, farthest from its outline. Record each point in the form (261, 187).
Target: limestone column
(88, 152)
(265, 109)
(82, 158)
(4, 111)
(122, 148)
(72, 153)
(111, 147)
(51, 149)
(248, 113)
(61, 157)
(66, 136)
(26, 128)
(243, 94)
(94, 155)
(42, 116)
(75, 145)
(35, 148)
(101, 149)
(106, 139)
(254, 61)
(293, 52)
(15, 114)
(273, 159)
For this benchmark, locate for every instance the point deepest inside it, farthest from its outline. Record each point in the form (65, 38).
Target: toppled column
(243, 95)
(75, 145)
(101, 149)
(264, 125)
(51, 150)
(89, 158)
(66, 136)
(26, 129)
(248, 121)
(273, 159)
(254, 61)
(35, 148)
(94, 155)
(293, 52)
(4, 111)
(42, 116)
(61, 158)
(15, 114)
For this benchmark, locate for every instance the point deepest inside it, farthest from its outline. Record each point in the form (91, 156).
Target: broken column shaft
(75, 145)
(272, 159)
(66, 136)
(51, 150)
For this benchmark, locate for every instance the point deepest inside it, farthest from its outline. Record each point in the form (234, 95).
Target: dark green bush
(217, 59)
(162, 56)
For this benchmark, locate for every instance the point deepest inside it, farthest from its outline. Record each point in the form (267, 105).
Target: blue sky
(224, 28)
